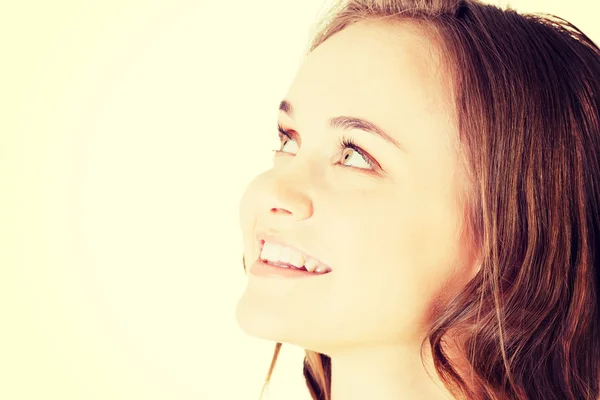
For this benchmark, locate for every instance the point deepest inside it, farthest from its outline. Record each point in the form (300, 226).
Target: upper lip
(263, 237)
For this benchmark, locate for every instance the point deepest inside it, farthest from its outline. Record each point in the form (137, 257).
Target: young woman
(438, 184)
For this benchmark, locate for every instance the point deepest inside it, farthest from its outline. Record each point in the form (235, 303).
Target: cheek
(386, 244)
(380, 295)
(393, 267)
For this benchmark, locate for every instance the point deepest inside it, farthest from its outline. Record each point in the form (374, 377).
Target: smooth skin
(390, 232)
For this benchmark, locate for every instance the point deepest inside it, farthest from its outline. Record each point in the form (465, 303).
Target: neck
(387, 372)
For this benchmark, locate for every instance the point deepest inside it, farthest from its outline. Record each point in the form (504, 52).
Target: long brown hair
(527, 95)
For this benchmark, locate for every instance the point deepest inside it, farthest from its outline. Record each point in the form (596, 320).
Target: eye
(349, 148)
(350, 151)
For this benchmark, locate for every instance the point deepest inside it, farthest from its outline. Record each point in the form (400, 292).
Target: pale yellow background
(128, 131)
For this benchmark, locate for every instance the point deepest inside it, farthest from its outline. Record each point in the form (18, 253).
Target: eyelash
(343, 143)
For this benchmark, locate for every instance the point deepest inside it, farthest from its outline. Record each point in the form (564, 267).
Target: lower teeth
(288, 266)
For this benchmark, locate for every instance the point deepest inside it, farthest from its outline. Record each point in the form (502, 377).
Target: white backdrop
(128, 131)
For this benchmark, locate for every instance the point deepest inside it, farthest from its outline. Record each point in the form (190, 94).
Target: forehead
(387, 73)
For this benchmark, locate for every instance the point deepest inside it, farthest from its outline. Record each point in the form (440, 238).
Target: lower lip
(261, 268)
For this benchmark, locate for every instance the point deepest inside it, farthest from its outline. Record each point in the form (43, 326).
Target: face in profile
(372, 196)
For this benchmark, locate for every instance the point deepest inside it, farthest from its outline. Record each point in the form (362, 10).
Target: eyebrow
(348, 123)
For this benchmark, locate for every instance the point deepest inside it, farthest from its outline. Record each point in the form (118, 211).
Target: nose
(286, 195)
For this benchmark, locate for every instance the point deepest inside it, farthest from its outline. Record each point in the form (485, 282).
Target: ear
(470, 256)
(475, 262)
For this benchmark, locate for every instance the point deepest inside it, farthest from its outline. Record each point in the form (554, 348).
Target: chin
(266, 325)
(259, 322)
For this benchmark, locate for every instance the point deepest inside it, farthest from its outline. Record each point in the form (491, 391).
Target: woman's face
(389, 230)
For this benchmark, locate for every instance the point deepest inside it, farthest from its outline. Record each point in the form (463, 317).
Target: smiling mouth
(280, 255)
(271, 269)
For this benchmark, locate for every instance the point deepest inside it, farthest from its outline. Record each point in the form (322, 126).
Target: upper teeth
(277, 253)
